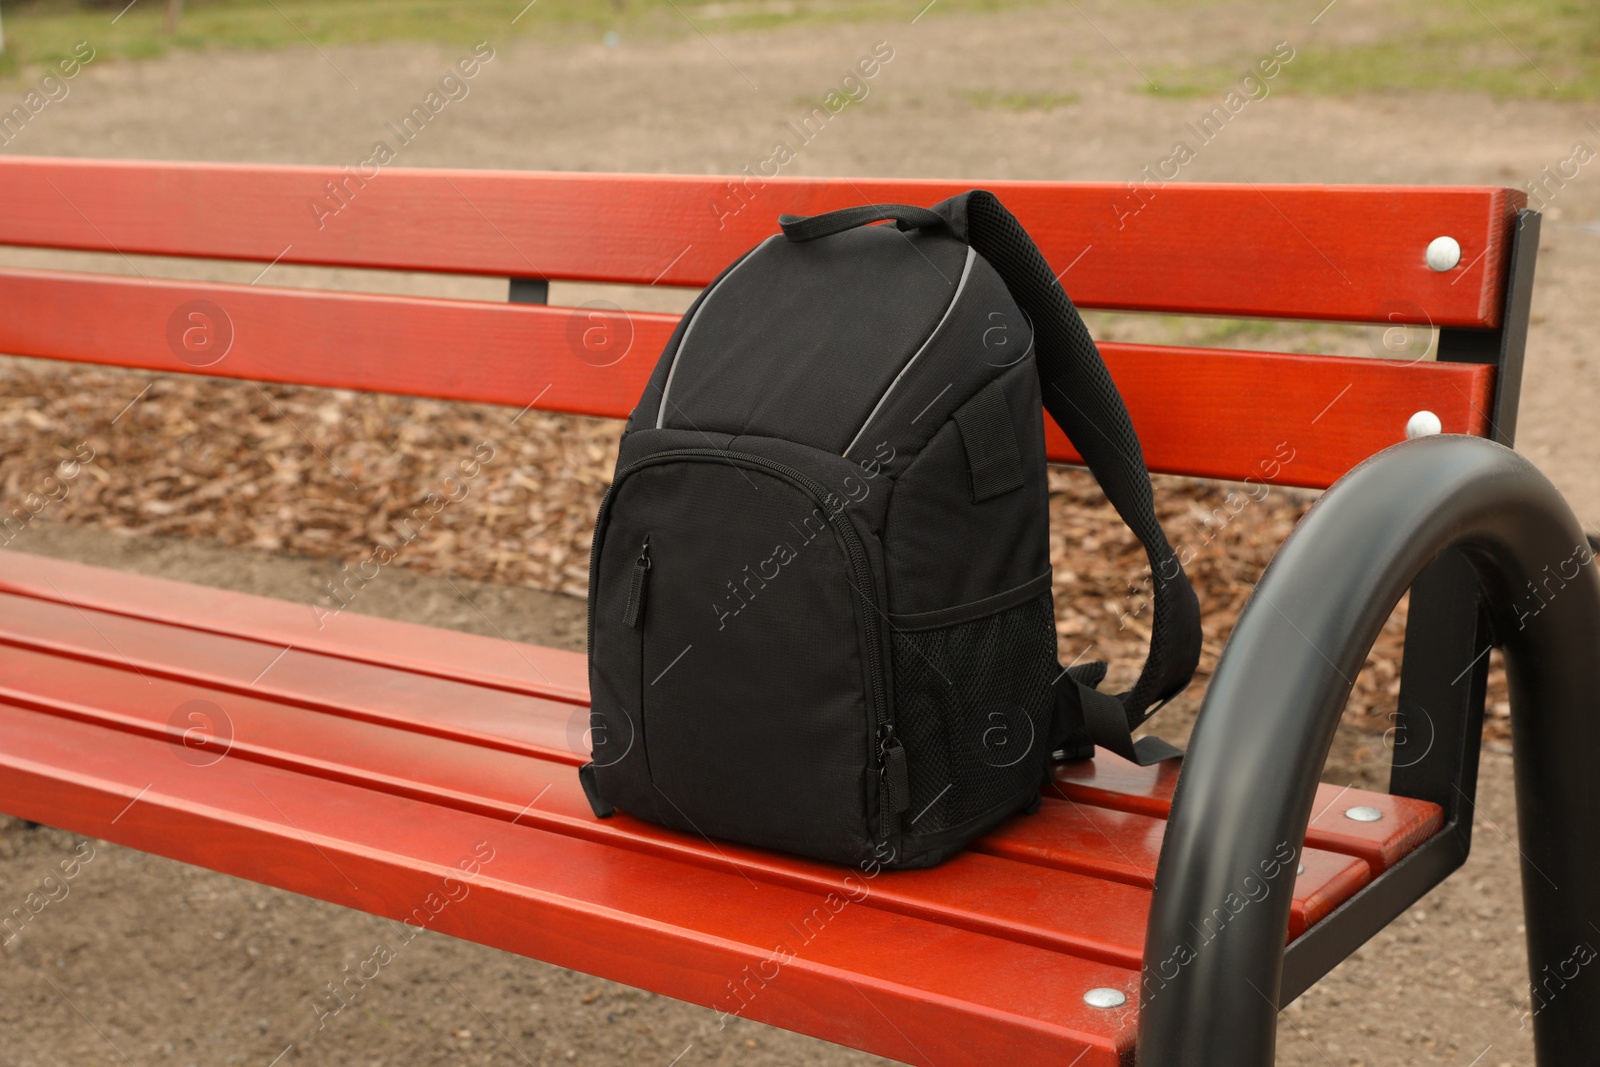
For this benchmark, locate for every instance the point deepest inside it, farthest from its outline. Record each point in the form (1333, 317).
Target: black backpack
(820, 614)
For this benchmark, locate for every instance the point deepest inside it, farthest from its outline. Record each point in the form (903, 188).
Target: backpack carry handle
(905, 216)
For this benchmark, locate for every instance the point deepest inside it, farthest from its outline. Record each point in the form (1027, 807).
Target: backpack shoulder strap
(1081, 397)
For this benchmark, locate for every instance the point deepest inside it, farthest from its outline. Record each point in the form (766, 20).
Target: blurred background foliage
(1508, 48)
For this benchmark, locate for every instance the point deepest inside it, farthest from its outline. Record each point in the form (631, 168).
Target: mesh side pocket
(972, 708)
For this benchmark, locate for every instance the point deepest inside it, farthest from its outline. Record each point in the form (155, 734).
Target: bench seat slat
(126, 694)
(1302, 251)
(426, 737)
(1064, 832)
(1204, 412)
(1066, 912)
(681, 929)
(230, 667)
(515, 666)
(1113, 782)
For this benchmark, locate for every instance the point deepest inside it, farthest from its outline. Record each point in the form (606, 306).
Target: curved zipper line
(855, 552)
(966, 270)
(661, 410)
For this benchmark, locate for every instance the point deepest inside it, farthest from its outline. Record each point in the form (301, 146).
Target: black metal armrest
(1248, 782)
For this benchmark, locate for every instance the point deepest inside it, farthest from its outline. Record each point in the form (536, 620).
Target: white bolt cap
(1443, 253)
(1423, 424)
(1364, 814)
(1105, 998)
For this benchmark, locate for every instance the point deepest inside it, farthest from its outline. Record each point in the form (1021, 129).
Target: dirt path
(177, 965)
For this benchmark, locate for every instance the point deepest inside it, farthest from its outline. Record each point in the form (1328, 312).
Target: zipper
(894, 794)
(894, 781)
(634, 614)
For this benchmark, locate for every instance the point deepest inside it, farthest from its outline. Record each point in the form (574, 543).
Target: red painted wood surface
(377, 726)
(350, 766)
(1201, 412)
(913, 990)
(1126, 847)
(417, 650)
(1301, 251)
(1113, 782)
(127, 626)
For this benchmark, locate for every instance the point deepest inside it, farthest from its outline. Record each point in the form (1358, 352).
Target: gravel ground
(176, 965)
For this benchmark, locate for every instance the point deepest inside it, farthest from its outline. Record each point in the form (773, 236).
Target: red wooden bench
(369, 758)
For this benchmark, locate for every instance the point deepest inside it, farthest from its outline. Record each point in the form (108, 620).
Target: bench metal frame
(1467, 526)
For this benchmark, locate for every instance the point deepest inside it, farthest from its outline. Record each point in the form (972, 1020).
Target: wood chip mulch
(478, 492)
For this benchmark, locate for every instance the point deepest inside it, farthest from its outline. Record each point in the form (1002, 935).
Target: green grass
(39, 31)
(1509, 49)
(990, 100)
(1506, 48)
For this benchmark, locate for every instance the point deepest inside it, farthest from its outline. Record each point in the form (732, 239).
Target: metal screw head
(1443, 253)
(1105, 997)
(1364, 814)
(1423, 424)
(1299, 868)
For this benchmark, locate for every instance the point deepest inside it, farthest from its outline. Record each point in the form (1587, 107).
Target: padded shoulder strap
(1080, 395)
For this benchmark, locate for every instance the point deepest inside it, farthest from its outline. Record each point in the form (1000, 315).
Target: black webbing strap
(906, 217)
(1082, 398)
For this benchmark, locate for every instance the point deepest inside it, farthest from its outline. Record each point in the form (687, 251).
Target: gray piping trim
(966, 271)
(661, 410)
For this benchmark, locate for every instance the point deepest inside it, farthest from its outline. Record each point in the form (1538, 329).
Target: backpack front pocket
(736, 643)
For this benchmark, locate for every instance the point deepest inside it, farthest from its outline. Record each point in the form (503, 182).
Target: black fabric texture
(944, 549)
(977, 609)
(1081, 396)
(644, 413)
(801, 341)
(973, 708)
(984, 335)
(994, 464)
(906, 217)
(591, 791)
(742, 695)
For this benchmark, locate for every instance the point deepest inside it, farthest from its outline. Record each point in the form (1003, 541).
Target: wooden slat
(1069, 912)
(1202, 412)
(464, 745)
(916, 991)
(514, 666)
(1105, 782)
(80, 640)
(1299, 251)
(1283, 419)
(1110, 781)
(1126, 846)
(1065, 835)
(1080, 914)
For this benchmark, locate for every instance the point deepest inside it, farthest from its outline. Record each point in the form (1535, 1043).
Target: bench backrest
(1342, 254)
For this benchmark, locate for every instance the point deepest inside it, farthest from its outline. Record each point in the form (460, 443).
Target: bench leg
(1555, 732)
(1219, 917)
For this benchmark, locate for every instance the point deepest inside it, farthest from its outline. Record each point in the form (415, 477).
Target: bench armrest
(1248, 781)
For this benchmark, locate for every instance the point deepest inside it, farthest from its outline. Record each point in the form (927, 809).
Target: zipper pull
(894, 798)
(634, 615)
